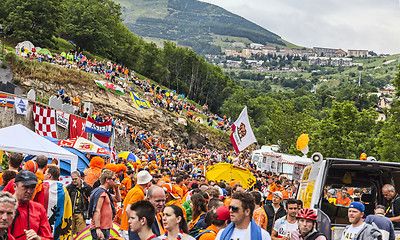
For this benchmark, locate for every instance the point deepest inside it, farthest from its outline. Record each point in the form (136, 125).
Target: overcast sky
(345, 24)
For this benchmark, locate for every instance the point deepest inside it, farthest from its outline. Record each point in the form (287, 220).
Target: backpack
(202, 232)
(315, 235)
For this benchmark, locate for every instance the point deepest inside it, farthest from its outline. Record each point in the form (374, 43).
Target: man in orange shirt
(236, 188)
(221, 220)
(172, 197)
(42, 166)
(126, 184)
(259, 214)
(343, 200)
(275, 186)
(134, 195)
(76, 101)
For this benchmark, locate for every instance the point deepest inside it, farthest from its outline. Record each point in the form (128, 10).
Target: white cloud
(354, 24)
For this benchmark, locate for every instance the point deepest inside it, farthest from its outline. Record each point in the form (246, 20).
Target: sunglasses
(233, 208)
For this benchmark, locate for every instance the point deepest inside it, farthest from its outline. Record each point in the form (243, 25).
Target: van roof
(354, 162)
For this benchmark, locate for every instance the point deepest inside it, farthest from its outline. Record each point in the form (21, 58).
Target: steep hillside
(46, 79)
(190, 22)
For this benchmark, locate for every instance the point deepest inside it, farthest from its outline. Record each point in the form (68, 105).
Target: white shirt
(284, 228)
(244, 234)
(351, 232)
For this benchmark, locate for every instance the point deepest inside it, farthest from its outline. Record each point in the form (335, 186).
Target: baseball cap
(170, 189)
(278, 194)
(26, 177)
(332, 191)
(223, 213)
(143, 177)
(357, 205)
(380, 207)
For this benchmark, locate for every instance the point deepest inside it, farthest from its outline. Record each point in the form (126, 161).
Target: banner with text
(98, 128)
(140, 103)
(62, 119)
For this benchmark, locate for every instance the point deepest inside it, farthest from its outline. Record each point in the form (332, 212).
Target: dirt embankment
(158, 121)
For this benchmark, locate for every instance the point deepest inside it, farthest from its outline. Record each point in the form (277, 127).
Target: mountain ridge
(169, 20)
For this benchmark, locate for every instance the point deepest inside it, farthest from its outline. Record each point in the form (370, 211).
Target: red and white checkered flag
(45, 121)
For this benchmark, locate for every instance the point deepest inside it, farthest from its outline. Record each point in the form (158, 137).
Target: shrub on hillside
(3, 64)
(16, 80)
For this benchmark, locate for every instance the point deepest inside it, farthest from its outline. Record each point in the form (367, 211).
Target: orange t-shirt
(134, 195)
(176, 203)
(228, 202)
(40, 175)
(345, 202)
(179, 190)
(210, 235)
(261, 218)
(272, 188)
(184, 188)
(126, 185)
(285, 194)
(351, 191)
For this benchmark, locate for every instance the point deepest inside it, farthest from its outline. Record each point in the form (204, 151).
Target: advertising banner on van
(242, 134)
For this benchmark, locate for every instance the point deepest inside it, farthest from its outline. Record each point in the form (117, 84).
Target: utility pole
(359, 79)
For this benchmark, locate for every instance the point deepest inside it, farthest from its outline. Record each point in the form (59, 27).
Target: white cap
(143, 177)
(278, 194)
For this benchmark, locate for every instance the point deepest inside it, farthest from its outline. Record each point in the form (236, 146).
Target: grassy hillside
(374, 75)
(190, 22)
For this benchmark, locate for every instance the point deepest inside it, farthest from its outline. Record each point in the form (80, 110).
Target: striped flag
(94, 127)
(7, 100)
(59, 209)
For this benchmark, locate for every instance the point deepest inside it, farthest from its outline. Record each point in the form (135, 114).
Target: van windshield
(337, 199)
(353, 180)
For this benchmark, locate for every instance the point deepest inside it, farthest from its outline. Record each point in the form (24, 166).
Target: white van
(268, 159)
(368, 176)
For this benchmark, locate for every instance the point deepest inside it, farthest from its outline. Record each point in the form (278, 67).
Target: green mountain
(191, 23)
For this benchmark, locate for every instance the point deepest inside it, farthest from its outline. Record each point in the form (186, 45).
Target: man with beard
(284, 226)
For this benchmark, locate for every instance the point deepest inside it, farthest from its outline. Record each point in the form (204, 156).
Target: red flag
(77, 127)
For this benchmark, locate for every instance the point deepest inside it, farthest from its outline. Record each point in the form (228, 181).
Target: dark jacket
(82, 204)
(269, 210)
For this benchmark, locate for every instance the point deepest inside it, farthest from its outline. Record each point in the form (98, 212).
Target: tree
(389, 137)
(345, 132)
(91, 24)
(34, 20)
(388, 142)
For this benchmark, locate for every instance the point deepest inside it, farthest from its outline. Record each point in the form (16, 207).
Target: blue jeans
(106, 233)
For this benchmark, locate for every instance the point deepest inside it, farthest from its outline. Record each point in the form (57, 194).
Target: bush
(16, 80)
(10, 57)
(3, 64)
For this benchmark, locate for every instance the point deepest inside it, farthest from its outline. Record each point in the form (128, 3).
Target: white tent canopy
(26, 44)
(18, 138)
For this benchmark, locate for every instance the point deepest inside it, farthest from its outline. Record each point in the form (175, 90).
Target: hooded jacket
(368, 232)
